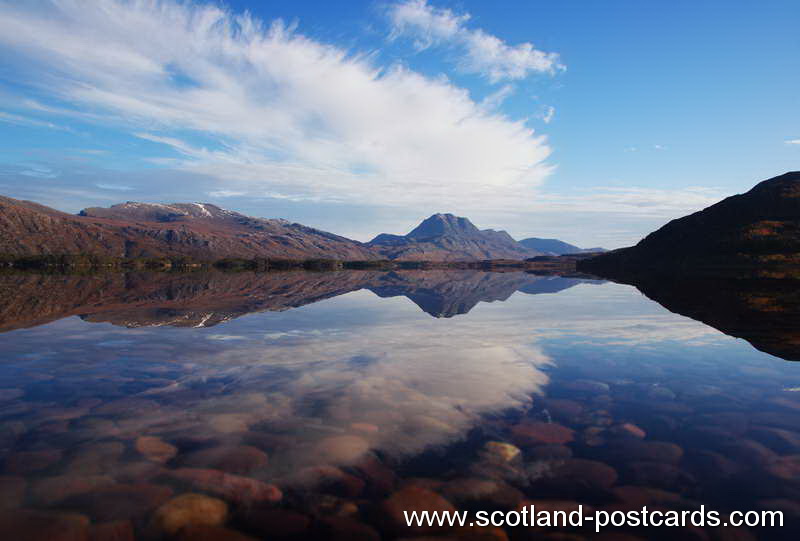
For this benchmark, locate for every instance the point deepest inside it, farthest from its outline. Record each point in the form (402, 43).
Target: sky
(592, 122)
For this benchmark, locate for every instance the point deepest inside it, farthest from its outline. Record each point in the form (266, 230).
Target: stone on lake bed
(786, 467)
(205, 532)
(51, 490)
(586, 471)
(119, 530)
(229, 423)
(549, 451)
(410, 499)
(96, 458)
(537, 432)
(241, 459)
(227, 485)
(659, 475)
(341, 449)
(778, 439)
(24, 462)
(500, 451)
(30, 525)
(189, 510)
(348, 529)
(268, 523)
(563, 409)
(630, 449)
(486, 492)
(155, 448)
(119, 502)
(628, 430)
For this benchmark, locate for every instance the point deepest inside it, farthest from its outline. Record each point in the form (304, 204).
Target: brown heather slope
(751, 235)
(194, 230)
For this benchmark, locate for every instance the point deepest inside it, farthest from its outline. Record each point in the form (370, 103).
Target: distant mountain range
(444, 237)
(194, 230)
(750, 235)
(203, 231)
(555, 247)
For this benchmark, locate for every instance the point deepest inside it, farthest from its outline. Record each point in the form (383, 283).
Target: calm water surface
(317, 405)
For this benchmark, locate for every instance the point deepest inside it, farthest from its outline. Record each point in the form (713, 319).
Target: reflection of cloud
(376, 370)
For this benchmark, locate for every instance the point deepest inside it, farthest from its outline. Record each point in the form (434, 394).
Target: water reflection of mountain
(207, 299)
(766, 313)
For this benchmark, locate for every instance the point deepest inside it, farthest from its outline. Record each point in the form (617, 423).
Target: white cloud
(547, 114)
(278, 113)
(20, 120)
(632, 201)
(482, 53)
(793, 141)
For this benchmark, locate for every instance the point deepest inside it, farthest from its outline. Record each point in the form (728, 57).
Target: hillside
(755, 234)
(555, 246)
(445, 237)
(194, 230)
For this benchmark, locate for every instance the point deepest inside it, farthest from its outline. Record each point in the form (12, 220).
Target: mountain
(555, 246)
(445, 237)
(755, 234)
(196, 230)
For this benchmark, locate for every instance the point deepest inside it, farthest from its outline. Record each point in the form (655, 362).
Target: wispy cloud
(267, 110)
(481, 52)
(792, 141)
(19, 120)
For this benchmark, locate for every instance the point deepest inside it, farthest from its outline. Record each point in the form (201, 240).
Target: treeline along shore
(94, 262)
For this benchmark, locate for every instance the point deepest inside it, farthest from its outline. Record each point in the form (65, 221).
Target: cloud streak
(481, 53)
(271, 112)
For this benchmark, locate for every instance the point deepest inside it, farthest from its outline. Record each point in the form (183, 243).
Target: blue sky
(594, 122)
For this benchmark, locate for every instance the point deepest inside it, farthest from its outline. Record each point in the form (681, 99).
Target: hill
(555, 246)
(445, 237)
(133, 230)
(755, 234)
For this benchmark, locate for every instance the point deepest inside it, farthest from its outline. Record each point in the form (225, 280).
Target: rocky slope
(445, 237)
(555, 246)
(195, 230)
(755, 234)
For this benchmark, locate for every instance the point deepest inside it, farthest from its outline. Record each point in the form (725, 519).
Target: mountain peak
(440, 224)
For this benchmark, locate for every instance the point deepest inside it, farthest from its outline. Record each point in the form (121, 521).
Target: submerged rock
(29, 525)
(233, 487)
(51, 490)
(25, 462)
(411, 499)
(119, 502)
(205, 532)
(341, 449)
(120, 530)
(189, 510)
(155, 449)
(268, 523)
(497, 451)
(591, 472)
(537, 433)
(241, 459)
(96, 458)
(347, 529)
